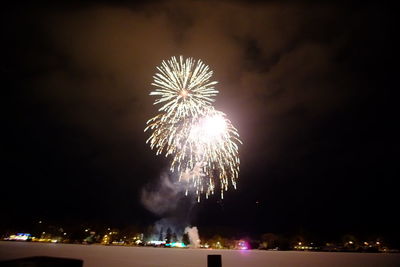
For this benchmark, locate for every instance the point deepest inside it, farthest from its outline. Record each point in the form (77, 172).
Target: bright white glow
(209, 129)
(19, 237)
(156, 242)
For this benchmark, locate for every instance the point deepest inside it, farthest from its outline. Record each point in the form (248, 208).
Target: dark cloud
(276, 57)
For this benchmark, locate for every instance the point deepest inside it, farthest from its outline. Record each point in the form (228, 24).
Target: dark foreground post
(214, 261)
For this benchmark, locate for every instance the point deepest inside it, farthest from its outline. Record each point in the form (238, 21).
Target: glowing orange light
(184, 93)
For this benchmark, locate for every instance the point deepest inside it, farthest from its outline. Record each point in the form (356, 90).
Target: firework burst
(201, 141)
(183, 87)
(209, 154)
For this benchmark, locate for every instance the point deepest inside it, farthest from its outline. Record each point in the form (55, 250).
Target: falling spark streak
(201, 141)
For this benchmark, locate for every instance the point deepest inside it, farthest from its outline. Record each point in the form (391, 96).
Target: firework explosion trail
(201, 141)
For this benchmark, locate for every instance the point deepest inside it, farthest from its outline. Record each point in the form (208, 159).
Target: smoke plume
(163, 197)
(166, 198)
(194, 238)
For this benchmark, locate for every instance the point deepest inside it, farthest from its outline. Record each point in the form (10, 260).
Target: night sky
(308, 86)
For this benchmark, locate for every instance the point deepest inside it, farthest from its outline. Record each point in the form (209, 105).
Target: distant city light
(20, 237)
(156, 242)
(176, 245)
(242, 245)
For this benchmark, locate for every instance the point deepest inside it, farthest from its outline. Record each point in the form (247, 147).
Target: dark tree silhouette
(185, 239)
(168, 235)
(161, 237)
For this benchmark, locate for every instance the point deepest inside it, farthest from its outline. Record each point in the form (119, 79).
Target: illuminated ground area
(98, 255)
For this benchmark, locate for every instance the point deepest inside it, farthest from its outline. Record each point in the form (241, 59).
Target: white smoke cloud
(193, 234)
(162, 197)
(166, 198)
